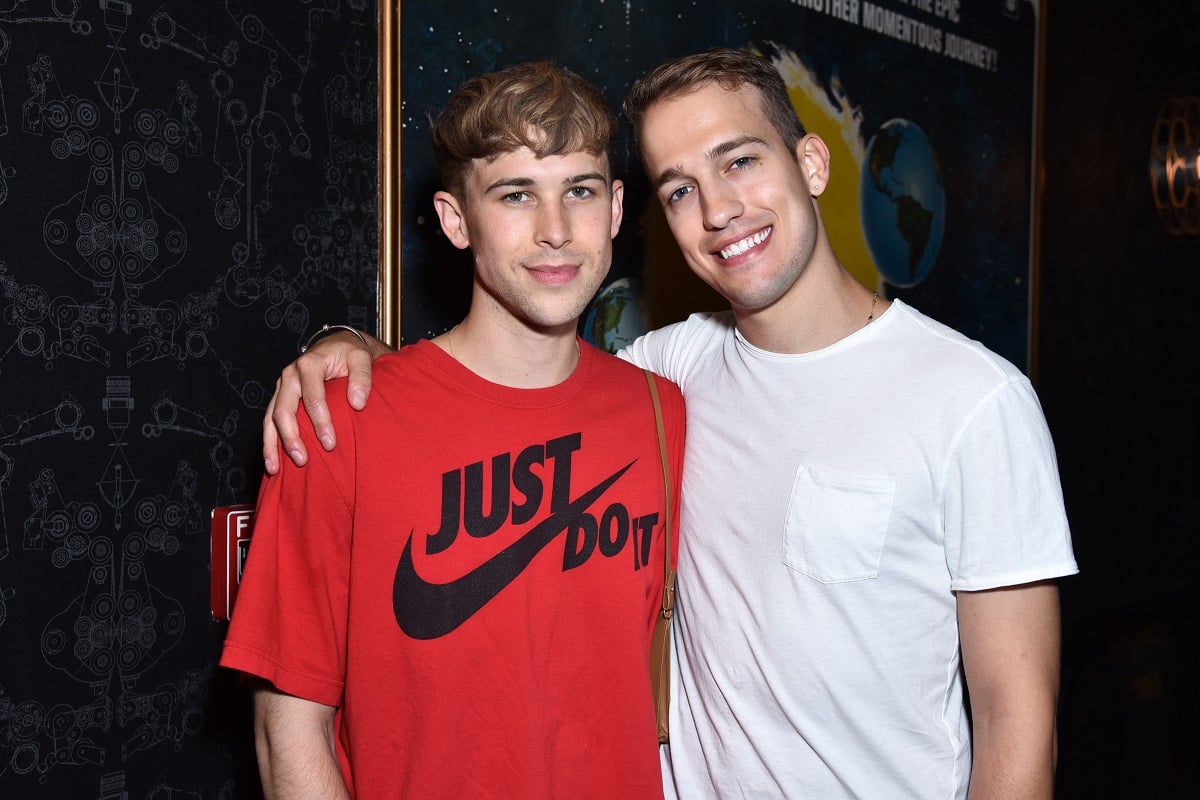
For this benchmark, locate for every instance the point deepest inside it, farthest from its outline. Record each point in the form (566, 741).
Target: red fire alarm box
(232, 527)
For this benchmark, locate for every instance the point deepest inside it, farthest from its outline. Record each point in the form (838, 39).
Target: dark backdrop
(1118, 343)
(186, 190)
(132, 377)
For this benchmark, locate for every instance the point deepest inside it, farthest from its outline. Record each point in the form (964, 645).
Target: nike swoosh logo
(429, 610)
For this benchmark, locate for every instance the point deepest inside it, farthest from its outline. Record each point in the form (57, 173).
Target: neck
(513, 355)
(819, 311)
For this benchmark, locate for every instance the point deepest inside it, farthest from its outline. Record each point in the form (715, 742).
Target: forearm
(1014, 757)
(1010, 645)
(294, 741)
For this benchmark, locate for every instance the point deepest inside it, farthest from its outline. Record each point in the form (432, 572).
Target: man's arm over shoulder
(294, 740)
(340, 355)
(1010, 646)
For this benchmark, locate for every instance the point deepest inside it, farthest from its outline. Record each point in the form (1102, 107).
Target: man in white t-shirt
(872, 517)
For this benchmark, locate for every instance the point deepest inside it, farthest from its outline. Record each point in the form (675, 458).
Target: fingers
(314, 370)
(336, 355)
(283, 416)
(358, 385)
(270, 438)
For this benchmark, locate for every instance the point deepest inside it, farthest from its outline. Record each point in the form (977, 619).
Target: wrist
(327, 329)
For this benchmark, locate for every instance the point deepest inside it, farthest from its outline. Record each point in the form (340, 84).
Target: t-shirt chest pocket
(836, 524)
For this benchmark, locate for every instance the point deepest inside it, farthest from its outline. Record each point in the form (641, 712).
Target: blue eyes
(739, 164)
(679, 194)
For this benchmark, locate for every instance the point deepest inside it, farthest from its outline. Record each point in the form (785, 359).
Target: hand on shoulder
(343, 354)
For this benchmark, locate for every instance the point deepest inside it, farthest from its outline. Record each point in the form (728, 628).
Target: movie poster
(927, 106)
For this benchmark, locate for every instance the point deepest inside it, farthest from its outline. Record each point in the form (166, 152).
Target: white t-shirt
(833, 503)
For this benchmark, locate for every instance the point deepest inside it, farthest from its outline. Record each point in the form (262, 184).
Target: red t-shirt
(471, 578)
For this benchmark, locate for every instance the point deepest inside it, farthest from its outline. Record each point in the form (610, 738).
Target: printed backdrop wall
(927, 107)
(187, 189)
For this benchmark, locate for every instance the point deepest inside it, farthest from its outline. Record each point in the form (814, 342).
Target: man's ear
(618, 206)
(813, 156)
(454, 223)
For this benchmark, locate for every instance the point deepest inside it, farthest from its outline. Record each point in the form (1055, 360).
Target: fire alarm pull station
(232, 527)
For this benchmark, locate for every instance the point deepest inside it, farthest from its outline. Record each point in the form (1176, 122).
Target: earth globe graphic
(902, 202)
(615, 317)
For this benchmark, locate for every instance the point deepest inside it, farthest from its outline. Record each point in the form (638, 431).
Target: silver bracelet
(326, 329)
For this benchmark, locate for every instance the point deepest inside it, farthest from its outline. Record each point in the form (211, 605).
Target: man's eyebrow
(666, 176)
(584, 177)
(525, 183)
(672, 173)
(733, 144)
(510, 183)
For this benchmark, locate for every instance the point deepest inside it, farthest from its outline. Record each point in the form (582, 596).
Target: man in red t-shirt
(458, 600)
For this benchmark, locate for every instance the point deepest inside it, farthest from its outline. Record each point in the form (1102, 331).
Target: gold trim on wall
(1038, 183)
(388, 208)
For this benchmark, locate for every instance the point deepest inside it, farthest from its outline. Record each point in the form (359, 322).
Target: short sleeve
(1005, 519)
(289, 622)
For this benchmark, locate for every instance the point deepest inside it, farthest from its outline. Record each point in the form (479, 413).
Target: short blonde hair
(728, 68)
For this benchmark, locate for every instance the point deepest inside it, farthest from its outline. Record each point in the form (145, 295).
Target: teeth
(738, 248)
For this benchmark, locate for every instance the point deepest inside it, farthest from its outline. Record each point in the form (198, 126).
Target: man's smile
(743, 245)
